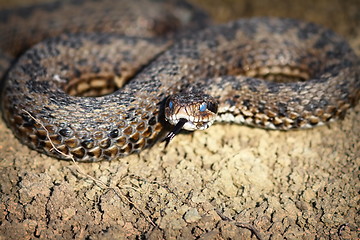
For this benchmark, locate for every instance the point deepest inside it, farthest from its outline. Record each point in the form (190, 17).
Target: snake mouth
(192, 122)
(190, 125)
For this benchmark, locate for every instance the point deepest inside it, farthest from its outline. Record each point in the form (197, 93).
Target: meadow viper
(265, 72)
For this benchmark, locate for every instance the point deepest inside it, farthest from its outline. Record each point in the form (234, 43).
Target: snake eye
(203, 107)
(171, 105)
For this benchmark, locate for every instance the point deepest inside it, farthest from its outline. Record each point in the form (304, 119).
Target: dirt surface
(215, 184)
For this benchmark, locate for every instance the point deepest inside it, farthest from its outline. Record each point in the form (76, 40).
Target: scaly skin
(224, 61)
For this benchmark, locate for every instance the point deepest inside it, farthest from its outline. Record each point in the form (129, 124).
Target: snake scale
(266, 72)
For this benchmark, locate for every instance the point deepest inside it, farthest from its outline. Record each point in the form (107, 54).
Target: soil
(228, 182)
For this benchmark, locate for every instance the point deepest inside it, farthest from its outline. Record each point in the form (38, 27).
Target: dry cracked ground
(229, 182)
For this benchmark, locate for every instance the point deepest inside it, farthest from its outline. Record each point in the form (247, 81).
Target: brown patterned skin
(112, 60)
(227, 62)
(23, 27)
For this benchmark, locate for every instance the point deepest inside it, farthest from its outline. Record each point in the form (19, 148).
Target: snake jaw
(194, 121)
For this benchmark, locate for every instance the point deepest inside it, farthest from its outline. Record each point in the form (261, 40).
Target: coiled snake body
(69, 83)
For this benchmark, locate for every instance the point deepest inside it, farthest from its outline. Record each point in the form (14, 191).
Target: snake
(141, 71)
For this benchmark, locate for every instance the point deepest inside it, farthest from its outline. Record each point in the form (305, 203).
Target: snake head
(190, 111)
